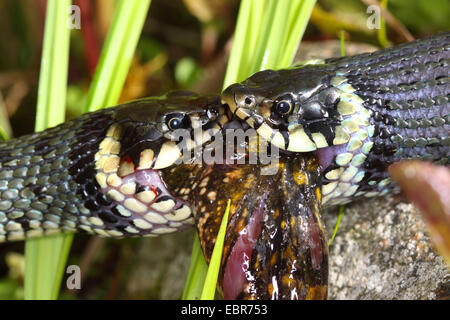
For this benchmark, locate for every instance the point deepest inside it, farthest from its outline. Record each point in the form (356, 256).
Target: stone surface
(382, 251)
(160, 266)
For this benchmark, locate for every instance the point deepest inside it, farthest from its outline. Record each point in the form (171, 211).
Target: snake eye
(177, 121)
(283, 107)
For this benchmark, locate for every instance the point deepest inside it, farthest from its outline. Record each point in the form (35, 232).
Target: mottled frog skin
(275, 246)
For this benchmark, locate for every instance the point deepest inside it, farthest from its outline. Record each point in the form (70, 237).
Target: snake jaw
(142, 199)
(139, 195)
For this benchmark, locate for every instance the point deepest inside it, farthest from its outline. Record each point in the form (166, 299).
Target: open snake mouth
(138, 189)
(143, 198)
(128, 171)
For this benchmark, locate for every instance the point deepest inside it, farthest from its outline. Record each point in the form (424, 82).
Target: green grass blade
(267, 21)
(209, 288)
(342, 43)
(341, 212)
(45, 258)
(270, 54)
(254, 29)
(299, 21)
(5, 125)
(55, 58)
(197, 273)
(381, 32)
(117, 53)
(237, 51)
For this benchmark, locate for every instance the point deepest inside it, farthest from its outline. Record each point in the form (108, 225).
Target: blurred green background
(184, 45)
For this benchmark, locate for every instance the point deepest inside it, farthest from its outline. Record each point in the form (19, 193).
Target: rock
(382, 251)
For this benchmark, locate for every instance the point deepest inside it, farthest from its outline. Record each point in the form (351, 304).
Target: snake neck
(56, 181)
(394, 105)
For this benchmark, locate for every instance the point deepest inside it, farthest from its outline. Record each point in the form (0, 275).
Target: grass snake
(358, 113)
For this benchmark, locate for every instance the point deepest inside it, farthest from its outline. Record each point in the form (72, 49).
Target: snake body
(116, 172)
(359, 113)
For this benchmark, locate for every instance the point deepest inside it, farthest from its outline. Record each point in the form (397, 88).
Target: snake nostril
(248, 101)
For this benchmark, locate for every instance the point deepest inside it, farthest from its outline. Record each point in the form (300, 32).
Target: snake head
(157, 132)
(295, 109)
(140, 141)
